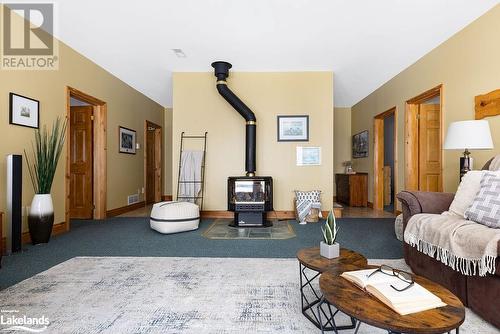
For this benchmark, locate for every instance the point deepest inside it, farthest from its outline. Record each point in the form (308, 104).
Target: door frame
(378, 156)
(158, 195)
(412, 135)
(99, 152)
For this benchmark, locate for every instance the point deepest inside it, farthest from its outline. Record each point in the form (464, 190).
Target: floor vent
(132, 199)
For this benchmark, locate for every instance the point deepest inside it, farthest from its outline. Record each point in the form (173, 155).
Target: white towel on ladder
(191, 162)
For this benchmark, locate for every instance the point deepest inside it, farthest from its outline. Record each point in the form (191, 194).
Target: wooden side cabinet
(352, 189)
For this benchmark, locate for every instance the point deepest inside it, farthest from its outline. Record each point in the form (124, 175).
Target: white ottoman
(173, 217)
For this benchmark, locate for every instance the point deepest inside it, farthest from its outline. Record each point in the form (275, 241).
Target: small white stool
(174, 217)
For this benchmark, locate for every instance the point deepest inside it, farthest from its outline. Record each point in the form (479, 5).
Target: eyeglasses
(404, 276)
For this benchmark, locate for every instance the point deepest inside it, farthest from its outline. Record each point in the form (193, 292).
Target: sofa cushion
(466, 192)
(311, 196)
(485, 208)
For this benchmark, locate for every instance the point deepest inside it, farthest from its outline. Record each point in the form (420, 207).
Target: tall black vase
(41, 219)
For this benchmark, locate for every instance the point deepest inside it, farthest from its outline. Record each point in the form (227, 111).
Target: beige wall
(126, 107)
(342, 142)
(198, 108)
(467, 65)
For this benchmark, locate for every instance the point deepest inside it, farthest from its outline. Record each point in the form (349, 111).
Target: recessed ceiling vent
(179, 53)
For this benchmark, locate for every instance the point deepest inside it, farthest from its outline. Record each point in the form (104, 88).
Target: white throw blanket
(461, 244)
(191, 162)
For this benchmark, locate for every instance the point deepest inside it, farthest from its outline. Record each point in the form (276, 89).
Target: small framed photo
(293, 128)
(360, 145)
(308, 156)
(127, 140)
(24, 111)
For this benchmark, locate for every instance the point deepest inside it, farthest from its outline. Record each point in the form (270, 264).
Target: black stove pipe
(221, 69)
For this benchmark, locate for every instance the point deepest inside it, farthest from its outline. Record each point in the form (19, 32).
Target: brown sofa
(481, 294)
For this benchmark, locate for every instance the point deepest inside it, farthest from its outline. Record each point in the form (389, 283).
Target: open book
(412, 300)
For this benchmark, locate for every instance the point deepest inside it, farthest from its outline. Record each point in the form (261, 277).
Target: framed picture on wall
(293, 128)
(308, 156)
(24, 111)
(127, 140)
(360, 145)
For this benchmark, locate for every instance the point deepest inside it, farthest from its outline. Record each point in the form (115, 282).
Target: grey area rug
(174, 295)
(220, 229)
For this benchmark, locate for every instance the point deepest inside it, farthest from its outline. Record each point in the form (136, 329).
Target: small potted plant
(42, 167)
(329, 248)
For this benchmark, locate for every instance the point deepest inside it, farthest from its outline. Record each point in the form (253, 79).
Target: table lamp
(468, 135)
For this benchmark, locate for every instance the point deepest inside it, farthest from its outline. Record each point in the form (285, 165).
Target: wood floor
(365, 212)
(347, 212)
(141, 212)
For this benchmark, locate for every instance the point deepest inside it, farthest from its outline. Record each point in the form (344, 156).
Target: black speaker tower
(14, 202)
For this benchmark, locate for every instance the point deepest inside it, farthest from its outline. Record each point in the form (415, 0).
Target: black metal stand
(308, 305)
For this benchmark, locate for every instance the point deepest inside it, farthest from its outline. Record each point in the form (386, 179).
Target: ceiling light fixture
(179, 53)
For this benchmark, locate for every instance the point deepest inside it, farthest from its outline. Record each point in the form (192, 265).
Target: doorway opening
(424, 141)
(86, 157)
(152, 162)
(385, 160)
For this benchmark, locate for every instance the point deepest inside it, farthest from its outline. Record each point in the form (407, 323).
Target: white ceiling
(364, 42)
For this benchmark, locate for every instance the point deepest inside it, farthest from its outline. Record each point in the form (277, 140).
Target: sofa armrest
(426, 201)
(415, 202)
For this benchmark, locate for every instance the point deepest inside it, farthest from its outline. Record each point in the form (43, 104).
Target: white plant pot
(329, 251)
(41, 205)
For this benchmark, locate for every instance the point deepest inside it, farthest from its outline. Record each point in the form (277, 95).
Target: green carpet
(374, 238)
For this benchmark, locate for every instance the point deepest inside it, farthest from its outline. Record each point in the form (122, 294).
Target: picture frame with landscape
(293, 128)
(24, 111)
(360, 145)
(127, 140)
(308, 156)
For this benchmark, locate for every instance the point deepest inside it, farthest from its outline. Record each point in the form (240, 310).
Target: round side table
(360, 305)
(311, 265)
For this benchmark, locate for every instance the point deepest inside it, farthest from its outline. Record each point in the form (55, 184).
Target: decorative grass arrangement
(330, 229)
(46, 152)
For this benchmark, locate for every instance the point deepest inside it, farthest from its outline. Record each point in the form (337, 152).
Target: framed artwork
(308, 156)
(24, 111)
(360, 145)
(126, 139)
(293, 128)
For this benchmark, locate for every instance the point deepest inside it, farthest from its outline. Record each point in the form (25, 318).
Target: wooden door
(153, 163)
(150, 165)
(378, 177)
(81, 163)
(157, 165)
(430, 176)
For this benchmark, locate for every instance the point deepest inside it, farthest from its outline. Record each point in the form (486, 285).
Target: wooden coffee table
(309, 258)
(356, 303)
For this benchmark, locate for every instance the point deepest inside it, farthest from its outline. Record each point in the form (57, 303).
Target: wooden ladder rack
(197, 199)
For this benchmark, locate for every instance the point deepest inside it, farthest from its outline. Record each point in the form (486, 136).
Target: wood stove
(250, 196)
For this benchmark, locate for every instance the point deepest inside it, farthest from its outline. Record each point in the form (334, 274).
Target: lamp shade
(472, 135)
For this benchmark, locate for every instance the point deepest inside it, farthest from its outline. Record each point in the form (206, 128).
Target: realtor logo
(14, 321)
(27, 37)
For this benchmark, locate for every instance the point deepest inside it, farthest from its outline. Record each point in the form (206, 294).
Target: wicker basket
(312, 217)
